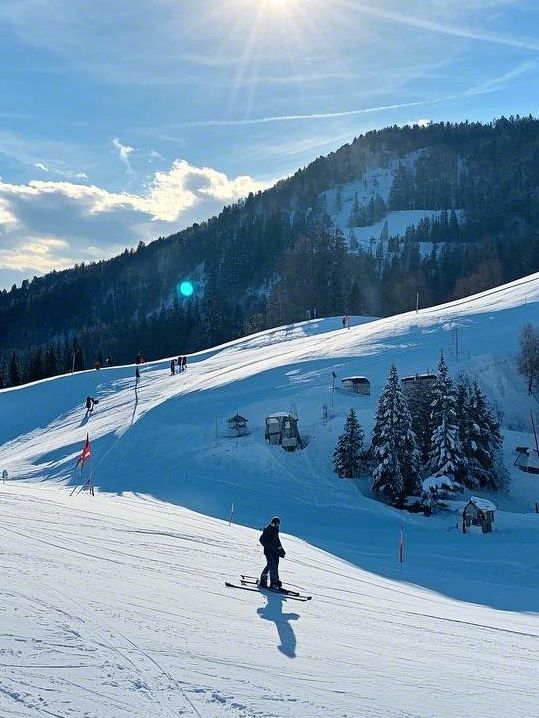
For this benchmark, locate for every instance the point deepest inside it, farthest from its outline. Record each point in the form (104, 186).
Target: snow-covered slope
(115, 605)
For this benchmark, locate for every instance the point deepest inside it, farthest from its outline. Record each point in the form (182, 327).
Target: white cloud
(36, 255)
(47, 224)
(41, 166)
(123, 150)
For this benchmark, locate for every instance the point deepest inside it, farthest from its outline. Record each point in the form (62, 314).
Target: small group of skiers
(346, 321)
(90, 403)
(273, 551)
(181, 361)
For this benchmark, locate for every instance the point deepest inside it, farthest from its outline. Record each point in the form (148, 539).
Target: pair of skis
(250, 583)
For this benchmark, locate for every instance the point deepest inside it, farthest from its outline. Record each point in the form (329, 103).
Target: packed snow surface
(115, 605)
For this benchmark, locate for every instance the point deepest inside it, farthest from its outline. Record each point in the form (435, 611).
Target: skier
(109, 361)
(172, 367)
(184, 363)
(90, 403)
(272, 551)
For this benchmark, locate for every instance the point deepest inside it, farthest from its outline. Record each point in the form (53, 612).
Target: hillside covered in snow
(115, 605)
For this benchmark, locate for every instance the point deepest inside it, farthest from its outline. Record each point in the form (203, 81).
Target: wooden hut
(418, 379)
(282, 428)
(527, 460)
(478, 512)
(239, 424)
(358, 384)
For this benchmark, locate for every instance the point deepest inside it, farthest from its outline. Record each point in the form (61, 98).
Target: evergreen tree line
(247, 262)
(429, 442)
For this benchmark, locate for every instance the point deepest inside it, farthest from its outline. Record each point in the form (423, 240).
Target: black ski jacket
(270, 539)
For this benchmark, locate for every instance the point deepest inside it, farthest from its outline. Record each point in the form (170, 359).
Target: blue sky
(131, 119)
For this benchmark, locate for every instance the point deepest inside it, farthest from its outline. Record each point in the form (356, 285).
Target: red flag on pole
(401, 547)
(85, 454)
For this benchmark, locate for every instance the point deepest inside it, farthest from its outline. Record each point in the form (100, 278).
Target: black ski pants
(272, 567)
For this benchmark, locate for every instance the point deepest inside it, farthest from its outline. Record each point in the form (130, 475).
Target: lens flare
(186, 288)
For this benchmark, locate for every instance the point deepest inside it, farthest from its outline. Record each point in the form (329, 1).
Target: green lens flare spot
(186, 289)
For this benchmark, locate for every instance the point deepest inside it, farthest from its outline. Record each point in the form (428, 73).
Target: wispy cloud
(307, 116)
(443, 28)
(123, 153)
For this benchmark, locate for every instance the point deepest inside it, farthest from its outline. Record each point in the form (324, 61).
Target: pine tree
(35, 372)
(479, 432)
(50, 362)
(419, 398)
(347, 457)
(394, 445)
(14, 373)
(446, 457)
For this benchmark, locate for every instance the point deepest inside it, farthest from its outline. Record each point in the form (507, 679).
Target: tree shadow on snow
(273, 611)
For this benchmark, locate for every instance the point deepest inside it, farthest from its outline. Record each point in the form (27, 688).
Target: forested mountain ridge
(446, 210)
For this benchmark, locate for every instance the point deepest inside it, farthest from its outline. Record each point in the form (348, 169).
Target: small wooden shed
(358, 384)
(239, 424)
(478, 512)
(527, 460)
(282, 428)
(418, 379)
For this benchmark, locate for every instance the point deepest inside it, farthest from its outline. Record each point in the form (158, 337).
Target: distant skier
(272, 551)
(346, 321)
(97, 365)
(140, 358)
(90, 403)
(172, 367)
(109, 361)
(137, 376)
(184, 363)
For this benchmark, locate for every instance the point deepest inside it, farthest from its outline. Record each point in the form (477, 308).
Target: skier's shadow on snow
(273, 611)
(85, 419)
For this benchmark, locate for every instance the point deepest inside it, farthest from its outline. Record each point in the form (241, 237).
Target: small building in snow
(478, 512)
(358, 384)
(418, 379)
(282, 428)
(527, 460)
(239, 424)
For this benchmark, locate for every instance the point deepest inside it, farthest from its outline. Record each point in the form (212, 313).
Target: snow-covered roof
(279, 415)
(419, 377)
(483, 504)
(355, 378)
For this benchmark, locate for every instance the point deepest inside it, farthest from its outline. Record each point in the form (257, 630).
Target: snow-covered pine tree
(394, 445)
(419, 398)
(347, 457)
(446, 456)
(479, 432)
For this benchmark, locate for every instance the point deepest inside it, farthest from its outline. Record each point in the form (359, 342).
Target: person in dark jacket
(273, 551)
(172, 366)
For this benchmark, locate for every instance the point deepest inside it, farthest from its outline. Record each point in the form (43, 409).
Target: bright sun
(275, 4)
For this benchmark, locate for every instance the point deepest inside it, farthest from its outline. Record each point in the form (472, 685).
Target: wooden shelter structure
(239, 424)
(527, 460)
(418, 379)
(358, 384)
(478, 512)
(282, 429)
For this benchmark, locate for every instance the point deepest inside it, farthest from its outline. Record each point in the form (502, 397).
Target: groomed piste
(115, 605)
